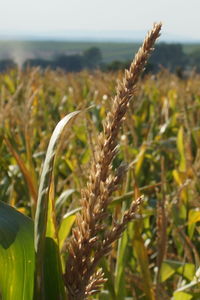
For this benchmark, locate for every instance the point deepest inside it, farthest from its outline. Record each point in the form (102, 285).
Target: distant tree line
(170, 56)
(7, 64)
(90, 59)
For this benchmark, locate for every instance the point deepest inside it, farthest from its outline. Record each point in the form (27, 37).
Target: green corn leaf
(66, 225)
(142, 257)
(53, 283)
(17, 257)
(140, 160)
(166, 271)
(170, 267)
(9, 83)
(26, 173)
(42, 219)
(182, 296)
(187, 271)
(194, 216)
(141, 253)
(120, 288)
(181, 150)
(63, 197)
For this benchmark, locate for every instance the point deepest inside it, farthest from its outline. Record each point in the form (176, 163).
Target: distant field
(188, 48)
(21, 50)
(47, 49)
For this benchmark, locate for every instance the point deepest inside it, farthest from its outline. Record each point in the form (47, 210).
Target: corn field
(158, 254)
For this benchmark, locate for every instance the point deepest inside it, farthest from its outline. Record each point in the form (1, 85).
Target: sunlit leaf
(187, 271)
(120, 288)
(41, 221)
(166, 271)
(194, 216)
(180, 146)
(17, 256)
(27, 175)
(182, 296)
(140, 159)
(170, 267)
(65, 227)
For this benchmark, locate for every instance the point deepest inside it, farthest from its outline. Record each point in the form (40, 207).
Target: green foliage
(168, 56)
(195, 59)
(6, 64)
(92, 57)
(17, 258)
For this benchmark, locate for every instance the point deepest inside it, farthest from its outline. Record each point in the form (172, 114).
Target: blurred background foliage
(77, 56)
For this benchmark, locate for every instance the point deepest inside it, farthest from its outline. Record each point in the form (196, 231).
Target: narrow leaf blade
(41, 218)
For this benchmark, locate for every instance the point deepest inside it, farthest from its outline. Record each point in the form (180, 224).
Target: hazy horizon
(39, 18)
(122, 36)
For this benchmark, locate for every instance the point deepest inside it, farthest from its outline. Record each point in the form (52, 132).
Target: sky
(179, 17)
